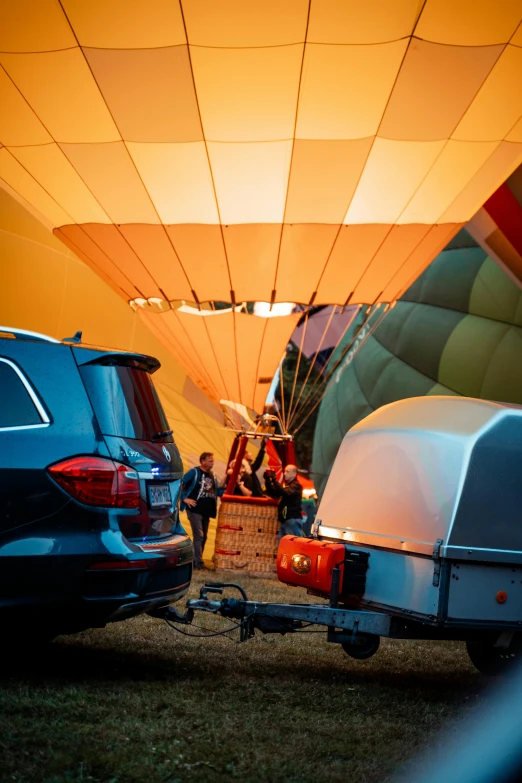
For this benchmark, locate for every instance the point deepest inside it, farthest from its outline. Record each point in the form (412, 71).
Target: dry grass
(139, 702)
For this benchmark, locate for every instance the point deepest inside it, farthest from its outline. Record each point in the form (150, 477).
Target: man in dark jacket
(199, 492)
(290, 494)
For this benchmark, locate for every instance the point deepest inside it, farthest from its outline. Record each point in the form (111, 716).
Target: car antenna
(76, 339)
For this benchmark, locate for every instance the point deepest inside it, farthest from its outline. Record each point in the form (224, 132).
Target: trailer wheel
(366, 645)
(493, 661)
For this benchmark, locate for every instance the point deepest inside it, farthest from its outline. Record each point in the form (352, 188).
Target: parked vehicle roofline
(28, 334)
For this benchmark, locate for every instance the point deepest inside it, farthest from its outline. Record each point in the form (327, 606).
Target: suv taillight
(98, 482)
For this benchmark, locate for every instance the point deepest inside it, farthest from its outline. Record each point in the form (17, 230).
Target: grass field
(138, 702)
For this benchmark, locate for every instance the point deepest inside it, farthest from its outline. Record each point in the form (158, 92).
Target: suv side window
(19, 405)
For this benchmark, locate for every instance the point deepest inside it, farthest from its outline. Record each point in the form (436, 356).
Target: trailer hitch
(233, 609)
(282, 618)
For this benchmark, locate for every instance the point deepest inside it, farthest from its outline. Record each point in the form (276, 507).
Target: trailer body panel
(401, 582)
(478, 592)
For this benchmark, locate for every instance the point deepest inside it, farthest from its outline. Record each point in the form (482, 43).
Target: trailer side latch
(436, 559)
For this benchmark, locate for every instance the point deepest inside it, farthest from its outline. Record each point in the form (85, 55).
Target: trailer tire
(366, 646)
(494, 661)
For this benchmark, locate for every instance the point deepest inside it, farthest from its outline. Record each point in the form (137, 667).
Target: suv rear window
(125, 401)
(17, 408)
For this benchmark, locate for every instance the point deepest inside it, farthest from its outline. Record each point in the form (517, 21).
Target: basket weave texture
(246, 537)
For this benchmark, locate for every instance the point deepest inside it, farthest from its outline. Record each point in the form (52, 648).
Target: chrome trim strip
(156, 600)
(25, 427)
(38, 335)
(169, 543)
(32, 394)
(170, 477)
(493, 556)
(375, 539)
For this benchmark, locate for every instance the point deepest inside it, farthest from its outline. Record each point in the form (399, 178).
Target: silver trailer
(431, 487)
(429, 492)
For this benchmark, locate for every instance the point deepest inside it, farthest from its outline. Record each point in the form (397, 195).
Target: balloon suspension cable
(296, 372)
(353, 347)
(356, 349)
(320, 376)
(282, 388)
(303, 385)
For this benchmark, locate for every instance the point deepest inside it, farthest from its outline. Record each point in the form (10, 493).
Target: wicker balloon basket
(246, 536)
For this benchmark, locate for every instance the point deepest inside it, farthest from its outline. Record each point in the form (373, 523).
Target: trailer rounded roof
(458, 416)
(430, 469)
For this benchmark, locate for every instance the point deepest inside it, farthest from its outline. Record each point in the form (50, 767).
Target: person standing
(199, 493)
(289, 510)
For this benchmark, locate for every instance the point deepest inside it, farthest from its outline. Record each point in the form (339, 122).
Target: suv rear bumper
(149, 605)
(102, 581)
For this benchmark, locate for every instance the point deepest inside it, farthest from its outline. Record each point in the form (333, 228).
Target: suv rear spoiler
(138, 361)
(91, 354)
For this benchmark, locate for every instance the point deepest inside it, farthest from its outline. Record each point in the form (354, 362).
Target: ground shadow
(93, 659)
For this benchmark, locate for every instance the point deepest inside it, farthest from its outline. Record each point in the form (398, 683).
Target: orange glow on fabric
(263, 151)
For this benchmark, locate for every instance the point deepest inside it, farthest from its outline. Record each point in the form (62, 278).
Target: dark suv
(89, 488)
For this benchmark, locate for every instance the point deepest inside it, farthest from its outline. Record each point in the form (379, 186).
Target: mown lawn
(138, 702)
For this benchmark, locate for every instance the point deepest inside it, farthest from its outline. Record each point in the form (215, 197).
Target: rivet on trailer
(418, 536)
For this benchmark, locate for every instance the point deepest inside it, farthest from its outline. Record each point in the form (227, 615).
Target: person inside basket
(255, 464)
(244, 485)
(290, 492)
(199, 492)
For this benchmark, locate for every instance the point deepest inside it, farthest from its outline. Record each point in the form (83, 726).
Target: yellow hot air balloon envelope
(301, 151)
(45, 288)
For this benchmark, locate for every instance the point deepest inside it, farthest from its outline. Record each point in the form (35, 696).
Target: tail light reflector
(97, 481)
(116, 565)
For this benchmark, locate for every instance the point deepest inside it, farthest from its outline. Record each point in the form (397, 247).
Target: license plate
(159, 495)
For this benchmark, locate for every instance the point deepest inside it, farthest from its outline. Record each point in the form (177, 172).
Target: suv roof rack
(24, 334)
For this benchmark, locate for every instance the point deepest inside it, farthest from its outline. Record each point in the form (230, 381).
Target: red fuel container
(306, 562)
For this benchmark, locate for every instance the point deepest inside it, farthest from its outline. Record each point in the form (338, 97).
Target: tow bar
(354, 629)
